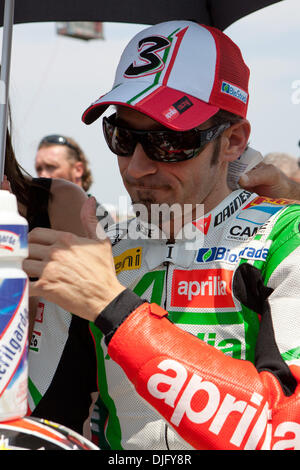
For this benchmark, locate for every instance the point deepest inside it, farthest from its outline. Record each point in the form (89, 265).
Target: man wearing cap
(202, 321)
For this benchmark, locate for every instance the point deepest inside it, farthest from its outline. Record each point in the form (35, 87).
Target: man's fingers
(5, 185)
(90, 222)
(254, 177)
(38, 252)
(88, 217)
(33, 268)
(37, 289)
(33, 290)
(44, 236)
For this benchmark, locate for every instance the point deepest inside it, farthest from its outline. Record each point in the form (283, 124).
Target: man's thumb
(89, 220)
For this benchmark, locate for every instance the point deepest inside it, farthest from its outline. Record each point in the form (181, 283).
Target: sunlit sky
(54, 78)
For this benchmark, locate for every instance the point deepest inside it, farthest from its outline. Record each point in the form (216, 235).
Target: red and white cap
(179, 73)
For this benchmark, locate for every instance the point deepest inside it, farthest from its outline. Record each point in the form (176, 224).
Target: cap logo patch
(183, 104)
(148, 61)
(178, 108)
(234, 91)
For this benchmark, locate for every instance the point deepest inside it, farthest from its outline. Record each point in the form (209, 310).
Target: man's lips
(147, 188)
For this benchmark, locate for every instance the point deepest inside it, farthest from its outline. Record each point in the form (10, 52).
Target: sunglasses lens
(120, 141)
(170, 147)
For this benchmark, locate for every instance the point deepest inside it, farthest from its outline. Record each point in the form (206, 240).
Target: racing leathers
(209, 336)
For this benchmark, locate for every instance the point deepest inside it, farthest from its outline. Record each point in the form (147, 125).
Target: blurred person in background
(286, 163)
(59, 156)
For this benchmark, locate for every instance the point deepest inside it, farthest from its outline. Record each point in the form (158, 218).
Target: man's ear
(235, 140)
(78, 169)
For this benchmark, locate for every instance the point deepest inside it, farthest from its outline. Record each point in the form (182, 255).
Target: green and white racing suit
(204, 293)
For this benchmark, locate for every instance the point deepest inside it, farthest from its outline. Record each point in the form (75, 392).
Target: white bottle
(13, 310)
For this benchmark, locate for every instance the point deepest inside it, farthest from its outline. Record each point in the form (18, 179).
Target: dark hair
(20, 180)
(219, 118)
(74, 153)
(224, 116)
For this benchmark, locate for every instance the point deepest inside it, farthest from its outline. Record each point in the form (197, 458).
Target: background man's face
(53, 162)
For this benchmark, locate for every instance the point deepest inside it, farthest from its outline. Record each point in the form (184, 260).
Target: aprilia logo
(214, 404)
(202, 288)
(238, 423)
(171, 113)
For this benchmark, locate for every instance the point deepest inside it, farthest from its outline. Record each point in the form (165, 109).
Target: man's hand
(5, 185)
(268, 180)
(74, 272)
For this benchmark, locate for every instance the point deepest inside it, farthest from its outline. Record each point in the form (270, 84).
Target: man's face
(53, 162)
(194, 181)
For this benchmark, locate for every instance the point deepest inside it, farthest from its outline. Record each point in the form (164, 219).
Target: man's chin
(142, 208)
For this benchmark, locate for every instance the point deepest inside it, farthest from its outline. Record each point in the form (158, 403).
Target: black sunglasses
(161, 145)
(58, 140)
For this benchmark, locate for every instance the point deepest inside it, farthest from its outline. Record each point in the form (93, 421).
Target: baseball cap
(179, 73)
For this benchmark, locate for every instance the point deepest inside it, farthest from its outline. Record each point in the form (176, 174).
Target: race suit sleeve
(212, 400)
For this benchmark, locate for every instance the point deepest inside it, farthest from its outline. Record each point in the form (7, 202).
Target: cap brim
(170, 107)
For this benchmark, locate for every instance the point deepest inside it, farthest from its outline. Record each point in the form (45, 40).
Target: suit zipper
(167, 264)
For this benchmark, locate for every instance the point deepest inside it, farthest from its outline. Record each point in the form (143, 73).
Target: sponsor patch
(241, 232)
(203, 224)
(35, 342)
(170, 113)
(177, 108)
(255, 254)
(39, 317)
(221, 253)
(231, 208)
(183, 104)
(234, 91)
(267, 200)
(258, 214)
(130, 259)
(202, 288)
(259, 209)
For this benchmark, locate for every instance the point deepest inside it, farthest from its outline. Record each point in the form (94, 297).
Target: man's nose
(43, 173)
(140, 164)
